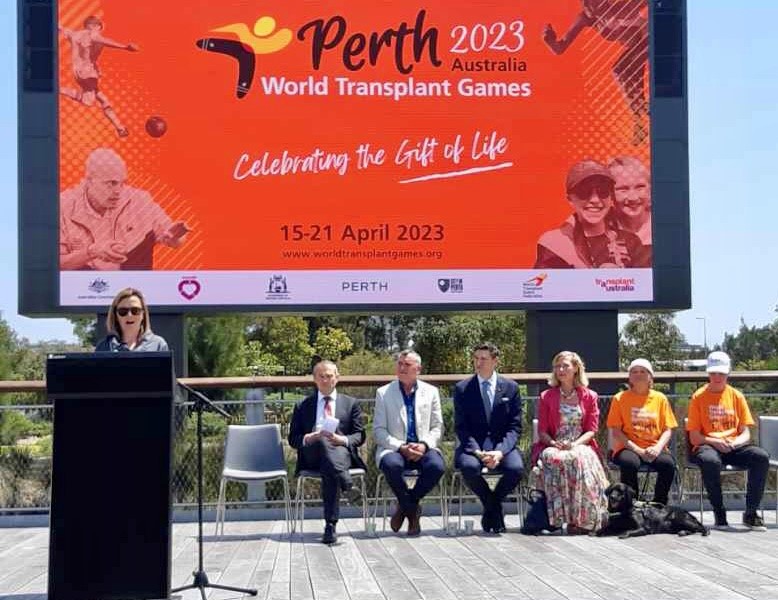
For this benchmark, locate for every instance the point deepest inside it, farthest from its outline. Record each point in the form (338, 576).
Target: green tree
(7, 349)
(286, 338)
(85, 329)
(332, 343)
(216, 346)
(751, 347)
(445, 342)
(654, 336)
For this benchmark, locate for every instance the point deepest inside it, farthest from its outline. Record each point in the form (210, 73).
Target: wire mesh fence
(26, 448)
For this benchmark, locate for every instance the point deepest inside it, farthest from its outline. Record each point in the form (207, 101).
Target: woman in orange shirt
(641, 422)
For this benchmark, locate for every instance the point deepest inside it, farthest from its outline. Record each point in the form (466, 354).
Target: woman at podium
(129, 326)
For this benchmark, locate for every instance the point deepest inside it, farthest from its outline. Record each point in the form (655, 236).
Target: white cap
(719, 362)
(641, 362)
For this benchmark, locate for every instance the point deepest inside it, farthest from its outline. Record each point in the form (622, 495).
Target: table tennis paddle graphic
(237, 50)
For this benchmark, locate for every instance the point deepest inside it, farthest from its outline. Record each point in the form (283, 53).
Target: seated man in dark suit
(331, 453)
(487, 417)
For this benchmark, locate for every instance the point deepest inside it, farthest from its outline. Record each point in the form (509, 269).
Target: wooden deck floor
(736, 565)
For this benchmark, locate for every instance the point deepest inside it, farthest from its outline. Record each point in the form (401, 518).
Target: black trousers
(710, 460)
(431, 468)
(333, 462)
(629, 463)
(511, 466)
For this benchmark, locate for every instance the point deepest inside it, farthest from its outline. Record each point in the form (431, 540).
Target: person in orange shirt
(641, 422)
(718, 424)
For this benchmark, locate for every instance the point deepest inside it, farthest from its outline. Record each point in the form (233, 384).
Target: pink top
(548, 416)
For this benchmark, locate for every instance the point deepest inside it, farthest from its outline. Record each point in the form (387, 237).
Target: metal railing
(26, 428)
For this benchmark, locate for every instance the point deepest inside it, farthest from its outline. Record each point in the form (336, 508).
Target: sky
(733, 145)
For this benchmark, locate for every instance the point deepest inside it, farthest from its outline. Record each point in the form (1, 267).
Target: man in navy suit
(330, 453)
(487, 417)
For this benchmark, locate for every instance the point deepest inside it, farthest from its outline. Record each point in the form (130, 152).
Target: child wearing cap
(641, 423)
(718, 424)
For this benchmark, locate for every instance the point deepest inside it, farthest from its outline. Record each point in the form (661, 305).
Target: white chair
(768, 440)
(316, 476)
(253, 453)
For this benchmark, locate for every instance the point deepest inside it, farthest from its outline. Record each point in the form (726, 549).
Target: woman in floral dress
(569, 467)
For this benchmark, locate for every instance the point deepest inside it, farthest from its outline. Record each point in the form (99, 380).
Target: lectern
(110, 529)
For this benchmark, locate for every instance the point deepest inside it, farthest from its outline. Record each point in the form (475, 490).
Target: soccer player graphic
(616, 21)
(86, 46)
(264, 39)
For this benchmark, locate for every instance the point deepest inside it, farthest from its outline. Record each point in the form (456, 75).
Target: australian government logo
(616, 284)
(98, 288)
(451, 286)
(533, 287)
(277, 288)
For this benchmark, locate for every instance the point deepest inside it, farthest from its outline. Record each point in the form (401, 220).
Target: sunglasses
(594, 185)
(124, 311)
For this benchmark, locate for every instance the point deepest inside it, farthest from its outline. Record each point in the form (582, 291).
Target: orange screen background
(491, 220)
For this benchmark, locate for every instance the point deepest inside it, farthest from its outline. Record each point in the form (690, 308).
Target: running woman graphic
(619, 21)
(86, 46)
(264, 39)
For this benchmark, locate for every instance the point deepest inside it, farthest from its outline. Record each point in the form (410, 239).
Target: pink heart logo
(189, 288)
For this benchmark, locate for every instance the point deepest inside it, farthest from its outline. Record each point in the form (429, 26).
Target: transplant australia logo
(244, 45)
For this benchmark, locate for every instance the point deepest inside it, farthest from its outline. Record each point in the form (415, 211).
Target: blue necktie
(485, 387)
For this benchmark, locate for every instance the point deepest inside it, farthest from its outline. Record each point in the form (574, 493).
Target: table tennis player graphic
(623, 22)
(264, 38)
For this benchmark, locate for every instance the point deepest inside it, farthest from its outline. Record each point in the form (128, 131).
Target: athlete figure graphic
(616, 21)
(264, 39)
(86, 45)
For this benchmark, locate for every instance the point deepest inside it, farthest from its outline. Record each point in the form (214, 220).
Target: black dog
(626, 518)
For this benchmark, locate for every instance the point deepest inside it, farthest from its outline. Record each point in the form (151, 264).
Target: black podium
(110, 529)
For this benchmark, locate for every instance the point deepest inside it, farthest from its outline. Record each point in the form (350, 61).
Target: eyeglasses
(125, 310)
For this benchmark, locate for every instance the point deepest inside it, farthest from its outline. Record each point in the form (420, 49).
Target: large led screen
(320, 153)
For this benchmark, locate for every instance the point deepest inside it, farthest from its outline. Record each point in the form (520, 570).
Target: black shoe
(720, 516)
(329, 537)
(753, 522)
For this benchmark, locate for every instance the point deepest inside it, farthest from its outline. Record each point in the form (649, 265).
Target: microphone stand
(200, 581)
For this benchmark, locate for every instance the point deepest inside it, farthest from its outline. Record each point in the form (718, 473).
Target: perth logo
(408, 44)
(237, 41)
(453, 286)
(533, 287)
(98, 286)
(189, 288)
(277, 288)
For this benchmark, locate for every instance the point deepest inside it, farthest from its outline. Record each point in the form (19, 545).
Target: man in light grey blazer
(407, 425)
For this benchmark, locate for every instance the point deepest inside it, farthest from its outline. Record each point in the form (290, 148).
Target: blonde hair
(112, 323)
(580, 369)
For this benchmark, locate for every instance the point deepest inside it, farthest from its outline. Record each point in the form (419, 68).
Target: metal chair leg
(220, 506)
(364, 502)
(287, 507)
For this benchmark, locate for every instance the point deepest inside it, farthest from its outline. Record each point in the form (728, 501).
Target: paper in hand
(330, 424)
